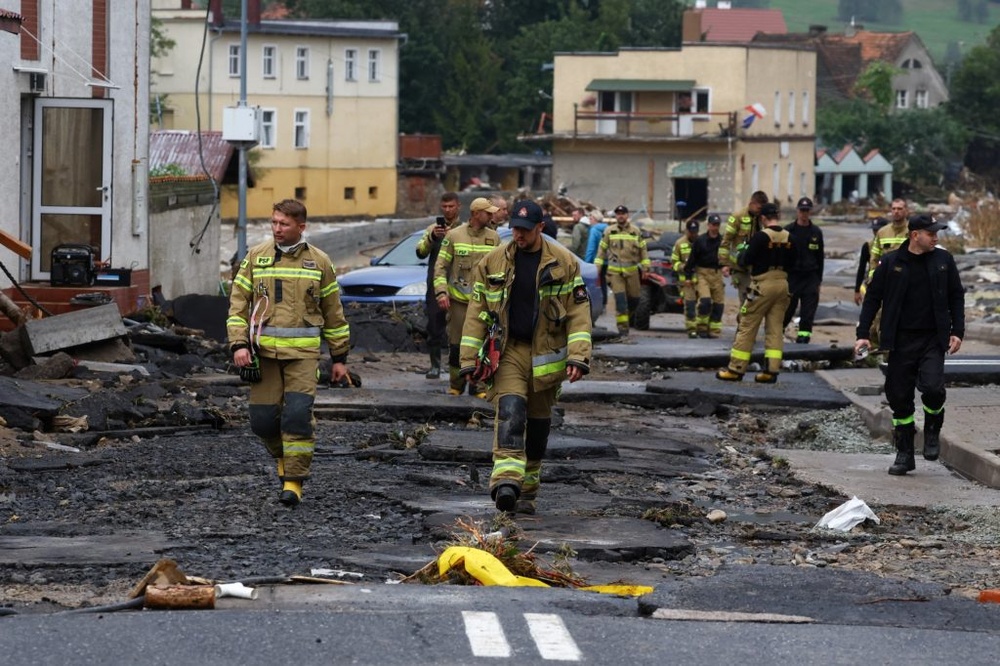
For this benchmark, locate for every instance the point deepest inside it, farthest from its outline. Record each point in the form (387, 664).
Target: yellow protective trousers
(711, 300)
(767, 300)
(281, 412)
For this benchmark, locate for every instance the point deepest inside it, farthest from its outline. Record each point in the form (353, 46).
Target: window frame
(921, 99)
(374, 65)
(234, 61)
(350, 64)
(264, 124)
(269, 57)
(902, 100)
(302, 63)
(302, 124)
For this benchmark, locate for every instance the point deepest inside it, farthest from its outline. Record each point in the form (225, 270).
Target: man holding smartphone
(428, 248)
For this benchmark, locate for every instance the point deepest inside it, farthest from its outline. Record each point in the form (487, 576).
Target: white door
(71, 196)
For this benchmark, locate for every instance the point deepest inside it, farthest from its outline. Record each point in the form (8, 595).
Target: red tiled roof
(180, 147)
(872, 154)
(875, 45)
(740, 25)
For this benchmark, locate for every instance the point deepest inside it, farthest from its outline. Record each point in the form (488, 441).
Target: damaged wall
(184, 242)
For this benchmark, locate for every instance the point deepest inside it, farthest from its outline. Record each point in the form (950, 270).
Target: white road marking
(551, 637)
(486, 637)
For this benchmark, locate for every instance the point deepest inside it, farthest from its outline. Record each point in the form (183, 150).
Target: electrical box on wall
(241, 124)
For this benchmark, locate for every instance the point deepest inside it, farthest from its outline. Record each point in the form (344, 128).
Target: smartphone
(441, 221)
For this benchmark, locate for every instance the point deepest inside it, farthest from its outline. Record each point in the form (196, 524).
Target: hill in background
(936, 22)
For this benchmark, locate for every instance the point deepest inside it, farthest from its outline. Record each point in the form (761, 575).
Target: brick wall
(99, 44)
(29, 47)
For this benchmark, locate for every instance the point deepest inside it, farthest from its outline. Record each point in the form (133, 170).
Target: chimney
(691, 26)
(817, 30)
(253, 13)
(725, 4)
(215, 13)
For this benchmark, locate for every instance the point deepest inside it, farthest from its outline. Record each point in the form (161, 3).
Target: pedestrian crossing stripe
(550, 635)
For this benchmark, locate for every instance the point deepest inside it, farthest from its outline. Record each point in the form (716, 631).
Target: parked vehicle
(660, 290)
(398, 276)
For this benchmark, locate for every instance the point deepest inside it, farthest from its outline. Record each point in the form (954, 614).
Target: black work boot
(435, 369)
(902, 437)
(932, 432)
(506, 497)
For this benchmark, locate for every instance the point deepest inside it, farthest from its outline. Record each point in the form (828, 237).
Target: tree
(975, 97)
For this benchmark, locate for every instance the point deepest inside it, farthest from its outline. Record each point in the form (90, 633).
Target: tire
(644, 309)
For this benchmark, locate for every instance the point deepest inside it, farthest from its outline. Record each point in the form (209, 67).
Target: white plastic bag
(847, 515)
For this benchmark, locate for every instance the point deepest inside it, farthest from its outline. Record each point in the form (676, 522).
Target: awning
(640, 85)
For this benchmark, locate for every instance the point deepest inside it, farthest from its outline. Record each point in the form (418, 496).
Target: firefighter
(806, 272)
(530, 292)
(704, 264)
(427, 248)
(285, 302)
(767, 258)
(688, 280)
(740, 228)
(623, 251)
(920, 293)
(461, 249)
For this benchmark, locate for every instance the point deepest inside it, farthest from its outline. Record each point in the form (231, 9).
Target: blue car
(398, 276)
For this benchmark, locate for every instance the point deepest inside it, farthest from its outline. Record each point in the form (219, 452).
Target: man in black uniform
(806, 272)
(427, 248)
(703, 263)
(923, 318)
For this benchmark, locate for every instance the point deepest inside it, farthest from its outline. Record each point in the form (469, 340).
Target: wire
(200, 236)
(20, 289)
(66, 48)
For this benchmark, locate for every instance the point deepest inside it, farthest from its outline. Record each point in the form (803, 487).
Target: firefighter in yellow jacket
(285, 301)
(461, 249)
(740, 228)
(688, 281)
(623, 251)
(767, 258)
(528, 295)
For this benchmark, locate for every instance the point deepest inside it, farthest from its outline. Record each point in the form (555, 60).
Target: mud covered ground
(208, 498)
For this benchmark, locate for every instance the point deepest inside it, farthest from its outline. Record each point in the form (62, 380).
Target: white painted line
(486, 637)
(552, 638)
(728, 616)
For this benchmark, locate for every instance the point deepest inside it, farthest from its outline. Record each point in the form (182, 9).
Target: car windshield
(403, 254)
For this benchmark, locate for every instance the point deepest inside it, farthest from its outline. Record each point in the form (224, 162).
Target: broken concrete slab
(392, 405)
(45, 399)
(605, 539)
(477, 445)
(712, 353)
(793, 389)
(90, 550)
(103, 322)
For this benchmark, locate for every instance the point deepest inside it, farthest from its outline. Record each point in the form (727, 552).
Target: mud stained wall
(184, 241)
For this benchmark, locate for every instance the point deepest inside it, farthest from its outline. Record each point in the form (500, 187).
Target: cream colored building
(650, 128)
(328, 93)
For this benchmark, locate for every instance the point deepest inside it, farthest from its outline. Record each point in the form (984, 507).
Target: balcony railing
(653, 125)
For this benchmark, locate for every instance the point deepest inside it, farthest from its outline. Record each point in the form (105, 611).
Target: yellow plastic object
(484, 567)
(621, 590)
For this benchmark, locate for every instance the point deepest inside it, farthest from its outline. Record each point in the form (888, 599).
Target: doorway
(71, 191)
(691, 198)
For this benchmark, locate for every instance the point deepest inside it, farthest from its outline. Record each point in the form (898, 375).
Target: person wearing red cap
(920, 294)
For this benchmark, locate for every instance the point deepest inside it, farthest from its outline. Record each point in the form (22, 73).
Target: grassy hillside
(935, 22)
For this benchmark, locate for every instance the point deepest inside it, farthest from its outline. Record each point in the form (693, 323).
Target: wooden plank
(102, 322)
(15, 245)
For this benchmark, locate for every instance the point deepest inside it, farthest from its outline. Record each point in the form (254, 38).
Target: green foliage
(159, 44)
(875, 84)
(975, 98)
(860, 11)
(167, 170)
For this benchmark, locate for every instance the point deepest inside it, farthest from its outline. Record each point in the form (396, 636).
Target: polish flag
(756, 111)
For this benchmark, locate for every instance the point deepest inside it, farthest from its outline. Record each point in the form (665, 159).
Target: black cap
(692, 225)
(525, 215)
(714, 219)
(805, 203)
(769, 210)
(879, 222)
(621, 209)
(924, 222)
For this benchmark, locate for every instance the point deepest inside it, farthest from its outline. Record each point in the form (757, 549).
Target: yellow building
(652, 128)
(328, 95)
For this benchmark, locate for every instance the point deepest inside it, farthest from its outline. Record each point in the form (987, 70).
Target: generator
(72, 266)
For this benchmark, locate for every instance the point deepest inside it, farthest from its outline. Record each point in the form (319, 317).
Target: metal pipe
(241, 225)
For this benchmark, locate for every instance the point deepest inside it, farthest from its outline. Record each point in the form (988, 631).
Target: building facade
(668, 131)
(76, 118)
(328, 95)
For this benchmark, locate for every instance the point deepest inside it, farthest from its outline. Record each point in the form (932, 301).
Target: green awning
(640, 85)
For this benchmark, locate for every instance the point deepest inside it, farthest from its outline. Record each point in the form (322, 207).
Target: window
(234, 60)
(268, 124)
(805, 108)
(777, 108)
(374, 68)
(350, 64)
(791, 107)
(920, 99)
(269, 55)
(373, 193)
(700, 102)
(302, 62)
(912, 64)
(349, 193)
(300, 193)
(902, 99)
(301, 128)
(754, 177)
(791, 179)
